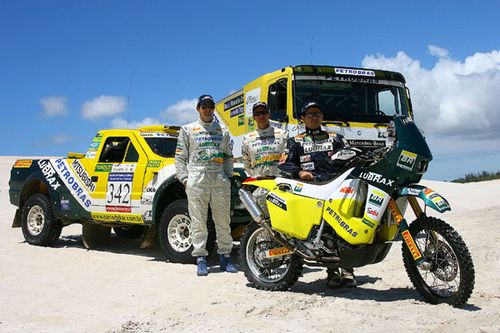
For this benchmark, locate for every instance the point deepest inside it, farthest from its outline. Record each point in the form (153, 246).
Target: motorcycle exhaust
(253, 208)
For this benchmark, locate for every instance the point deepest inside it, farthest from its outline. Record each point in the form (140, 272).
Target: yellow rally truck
(358, 103)
(126, 182)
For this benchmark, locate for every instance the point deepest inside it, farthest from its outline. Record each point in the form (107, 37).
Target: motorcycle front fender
(430, 198)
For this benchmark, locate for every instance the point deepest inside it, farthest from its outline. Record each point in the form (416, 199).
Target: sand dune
(121, 288)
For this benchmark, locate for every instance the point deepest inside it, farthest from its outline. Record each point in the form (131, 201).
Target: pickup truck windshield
(162, 146)
(352, 101)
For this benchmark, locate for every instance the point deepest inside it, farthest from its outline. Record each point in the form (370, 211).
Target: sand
(121, 288)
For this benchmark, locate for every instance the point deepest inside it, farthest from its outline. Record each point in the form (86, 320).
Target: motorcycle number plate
(277, 252)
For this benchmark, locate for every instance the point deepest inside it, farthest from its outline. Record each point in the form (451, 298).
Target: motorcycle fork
(404, 230)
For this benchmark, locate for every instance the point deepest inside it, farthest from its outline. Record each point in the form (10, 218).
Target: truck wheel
(129, 232)
(39, 225)
(174, 233)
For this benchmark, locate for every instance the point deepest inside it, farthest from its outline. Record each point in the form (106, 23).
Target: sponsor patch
(309, 166)
(103, 167)
(298, 187)
(305, 158)
(23, 164)
(406, 160)
(366, 143)
(65, 204)
(347, 189)
(368, 223)
(376, 199)
(49, 173)
(69, 178)
(233, 102)
(241, 120)
(83, 175)
(236, 111)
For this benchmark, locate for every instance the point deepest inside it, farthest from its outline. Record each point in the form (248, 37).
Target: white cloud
(182, 112)
(103, 106)
(437, 51)
(55, 140)
(455, 100)
(122, 123)
(54, 106)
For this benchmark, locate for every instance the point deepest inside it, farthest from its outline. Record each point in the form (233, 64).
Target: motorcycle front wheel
(447, 275)
(276, 273)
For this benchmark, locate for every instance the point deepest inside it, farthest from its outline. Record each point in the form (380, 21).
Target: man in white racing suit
(262, 149)
(204, 164)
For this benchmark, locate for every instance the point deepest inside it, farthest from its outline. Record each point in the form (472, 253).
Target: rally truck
(357, 103)
(125, 182)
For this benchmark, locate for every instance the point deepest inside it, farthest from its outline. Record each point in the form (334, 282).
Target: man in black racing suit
(308, 156)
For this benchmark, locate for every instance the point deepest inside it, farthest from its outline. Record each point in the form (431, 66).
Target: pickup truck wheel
(39, 225)
(175, 233)
(129, 232)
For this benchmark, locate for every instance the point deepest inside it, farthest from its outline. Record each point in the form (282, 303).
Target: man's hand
(306, 175)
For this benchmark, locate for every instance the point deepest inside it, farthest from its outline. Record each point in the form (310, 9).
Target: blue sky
(70, 68)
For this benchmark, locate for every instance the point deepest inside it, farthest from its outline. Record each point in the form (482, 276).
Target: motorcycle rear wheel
(449, 277)
(279, 273)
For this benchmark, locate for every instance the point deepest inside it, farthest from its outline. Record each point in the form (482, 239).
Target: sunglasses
(207, 106)
(260, 113)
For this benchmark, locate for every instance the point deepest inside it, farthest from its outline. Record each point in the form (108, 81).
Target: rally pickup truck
(125, 182)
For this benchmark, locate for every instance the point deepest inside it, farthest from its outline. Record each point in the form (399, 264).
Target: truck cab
(357, 103)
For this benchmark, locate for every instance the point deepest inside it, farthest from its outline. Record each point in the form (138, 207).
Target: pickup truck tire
(174, 233)
(129, 232)
(39, 225)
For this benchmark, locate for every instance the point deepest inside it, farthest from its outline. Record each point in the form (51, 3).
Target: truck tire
(38, 223)
(130, 231)
(174, 233)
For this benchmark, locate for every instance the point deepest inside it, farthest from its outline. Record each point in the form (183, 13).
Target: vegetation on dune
(478, 177)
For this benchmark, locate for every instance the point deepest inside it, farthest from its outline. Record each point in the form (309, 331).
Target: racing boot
(226, 264)
(201, 270)
(347, 277)
(333, 279)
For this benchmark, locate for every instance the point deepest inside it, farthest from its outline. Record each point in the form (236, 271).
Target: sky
(70, 68)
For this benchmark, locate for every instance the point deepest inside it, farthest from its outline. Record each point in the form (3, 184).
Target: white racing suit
(204, 158)
(261, 151)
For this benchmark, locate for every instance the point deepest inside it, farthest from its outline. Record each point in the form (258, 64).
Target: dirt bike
(353, 220)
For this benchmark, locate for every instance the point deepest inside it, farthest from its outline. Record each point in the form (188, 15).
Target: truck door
(120, 176)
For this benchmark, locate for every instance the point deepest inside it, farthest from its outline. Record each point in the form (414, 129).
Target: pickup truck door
(119, 176)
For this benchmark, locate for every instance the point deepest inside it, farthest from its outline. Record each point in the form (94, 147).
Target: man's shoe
(348, 278)
(202, 266)
(226, 264)
(333, 279)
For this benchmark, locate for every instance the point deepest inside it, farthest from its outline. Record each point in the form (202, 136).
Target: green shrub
(478, 177)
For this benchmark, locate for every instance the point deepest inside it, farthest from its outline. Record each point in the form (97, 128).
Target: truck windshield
(352, 101)
(162, 146)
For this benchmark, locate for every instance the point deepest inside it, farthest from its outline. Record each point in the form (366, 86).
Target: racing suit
(203, 158)
(261, 152)
(311, 151)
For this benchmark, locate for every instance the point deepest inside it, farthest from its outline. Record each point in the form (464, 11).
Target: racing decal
(236, 111)
(103, 167)
(439, 201)
(406, 160)
(368, 223)
(23, 164)
(366, 143)
(273, 198)
(72, 181)
(241, 120)
(376, 198)
(373, 213)
(353, 71)
(347, 190)
(82, 174)
(147, 216)
(377, 178)
(123, 167)
(94, 146)
(118, 193)
(233, 102)
(111, 217)
(154, 163)
(341, 222)
(65, 204)
(252, 97)
(147, 134)
(411, 245)
(395, 211)
(411, 191)
(298, 187)
(49, 173)
(406, 121)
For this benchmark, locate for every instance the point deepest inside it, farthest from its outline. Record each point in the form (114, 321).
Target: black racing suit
(311, 151)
